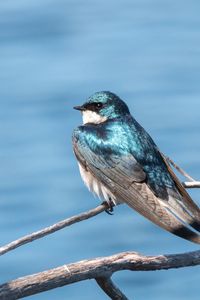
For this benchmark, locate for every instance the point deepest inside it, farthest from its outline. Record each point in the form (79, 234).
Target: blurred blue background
(53, 55)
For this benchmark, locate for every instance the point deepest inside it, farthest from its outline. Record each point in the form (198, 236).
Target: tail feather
(170, 215)
(185, 207)
(142, 199)
(186, 199)
(179, 210)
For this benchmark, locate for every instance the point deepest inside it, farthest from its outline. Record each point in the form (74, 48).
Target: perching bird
(120, 163)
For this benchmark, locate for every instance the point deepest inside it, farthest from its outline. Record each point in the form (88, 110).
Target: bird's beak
(81, 108)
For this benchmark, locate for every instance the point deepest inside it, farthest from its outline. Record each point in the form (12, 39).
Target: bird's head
(101, 107)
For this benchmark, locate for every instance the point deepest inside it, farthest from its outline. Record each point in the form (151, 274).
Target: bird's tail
(140, 197)
(185, 208)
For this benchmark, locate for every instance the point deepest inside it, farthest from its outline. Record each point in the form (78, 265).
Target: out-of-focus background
(53, 55)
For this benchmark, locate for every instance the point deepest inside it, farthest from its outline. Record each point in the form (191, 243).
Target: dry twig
(53, 228)
(108, 286)
(191, 184)
(65, 223)
(180, 170)
(95, 269)
(100, 269)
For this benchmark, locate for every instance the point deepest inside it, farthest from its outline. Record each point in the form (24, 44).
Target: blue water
(53, 55)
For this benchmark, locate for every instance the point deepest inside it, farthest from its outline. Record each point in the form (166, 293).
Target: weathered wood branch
(81, 217)
(179, 169)
(99, 269)
(67, 222)
(191, 184)
(94, 269)
(53, 228)
(108, 286)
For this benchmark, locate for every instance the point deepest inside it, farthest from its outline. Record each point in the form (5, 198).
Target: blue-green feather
(121, 137)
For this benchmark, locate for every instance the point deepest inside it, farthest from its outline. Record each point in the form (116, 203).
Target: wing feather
(126, 179)
(187, 204)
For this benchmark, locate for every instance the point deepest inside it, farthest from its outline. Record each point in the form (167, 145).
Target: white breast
(92, 117)
(97, 187)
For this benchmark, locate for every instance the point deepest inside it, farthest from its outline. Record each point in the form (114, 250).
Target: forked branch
(95, 269)
(99, 269)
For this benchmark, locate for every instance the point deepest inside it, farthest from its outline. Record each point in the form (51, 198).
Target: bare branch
(67, 222)
(53, 228)
(100, 269)
(92, 269)
(191, 184)
(180, 170)
(107, 285)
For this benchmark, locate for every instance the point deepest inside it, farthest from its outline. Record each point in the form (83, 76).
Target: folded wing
(126, 179)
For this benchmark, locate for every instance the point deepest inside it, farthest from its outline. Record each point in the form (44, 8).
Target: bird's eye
(95, 106)
(99, 105)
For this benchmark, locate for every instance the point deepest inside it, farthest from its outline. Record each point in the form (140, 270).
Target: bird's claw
(110, 206)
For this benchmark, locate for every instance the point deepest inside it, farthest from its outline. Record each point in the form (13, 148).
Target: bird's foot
(110, 206)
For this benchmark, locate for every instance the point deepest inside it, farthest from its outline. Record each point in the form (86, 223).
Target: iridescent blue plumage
(122, 156)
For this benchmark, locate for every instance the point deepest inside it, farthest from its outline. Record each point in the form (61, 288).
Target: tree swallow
(120, 163)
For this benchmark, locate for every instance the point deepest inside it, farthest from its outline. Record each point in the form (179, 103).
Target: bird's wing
(186, 200)
(126, 179)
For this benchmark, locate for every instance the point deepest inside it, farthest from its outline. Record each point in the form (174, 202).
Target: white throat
(92, 117)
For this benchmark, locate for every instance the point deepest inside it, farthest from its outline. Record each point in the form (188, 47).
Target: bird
(120, 163)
